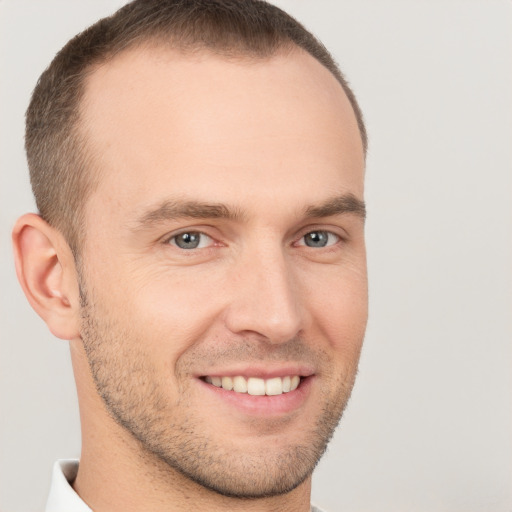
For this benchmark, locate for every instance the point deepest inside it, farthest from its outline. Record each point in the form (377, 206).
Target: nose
(265, 298)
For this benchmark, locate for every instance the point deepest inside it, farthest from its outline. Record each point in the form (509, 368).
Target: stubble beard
(125, 378)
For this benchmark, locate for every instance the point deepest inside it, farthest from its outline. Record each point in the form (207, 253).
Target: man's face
(224, 243)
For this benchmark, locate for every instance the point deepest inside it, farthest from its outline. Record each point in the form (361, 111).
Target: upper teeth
(256, 386)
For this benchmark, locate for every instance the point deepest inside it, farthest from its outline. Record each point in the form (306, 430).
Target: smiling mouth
(254, 385)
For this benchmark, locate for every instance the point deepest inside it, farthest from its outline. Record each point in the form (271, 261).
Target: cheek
(339, 308)
(173, 310)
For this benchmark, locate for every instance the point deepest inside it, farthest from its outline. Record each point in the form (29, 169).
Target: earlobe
(46, 271)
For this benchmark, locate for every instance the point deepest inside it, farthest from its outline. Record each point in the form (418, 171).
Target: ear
(46, 271)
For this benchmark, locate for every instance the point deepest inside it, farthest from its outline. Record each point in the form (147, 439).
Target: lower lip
(265, 405)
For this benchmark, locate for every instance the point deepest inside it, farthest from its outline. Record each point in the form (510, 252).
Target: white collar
(62, 497)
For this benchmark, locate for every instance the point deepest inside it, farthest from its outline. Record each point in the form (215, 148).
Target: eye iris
(188, 240)
(316, 239)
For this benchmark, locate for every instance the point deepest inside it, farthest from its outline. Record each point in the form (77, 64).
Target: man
(198, 167)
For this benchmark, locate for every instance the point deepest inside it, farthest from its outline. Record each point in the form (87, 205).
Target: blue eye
(319, 239)
(191, 240)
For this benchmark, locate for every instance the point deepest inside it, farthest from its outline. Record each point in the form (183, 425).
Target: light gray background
(429, 426)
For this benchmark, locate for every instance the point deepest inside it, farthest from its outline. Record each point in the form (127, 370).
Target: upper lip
(261, 371)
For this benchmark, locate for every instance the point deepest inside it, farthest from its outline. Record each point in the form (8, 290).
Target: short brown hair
(60, 166)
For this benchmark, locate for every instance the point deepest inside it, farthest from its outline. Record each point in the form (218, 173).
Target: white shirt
(62, 497)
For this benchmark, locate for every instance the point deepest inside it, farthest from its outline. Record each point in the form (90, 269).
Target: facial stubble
(167, 431)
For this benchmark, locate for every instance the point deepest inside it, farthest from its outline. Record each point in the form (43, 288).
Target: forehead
(159, 122)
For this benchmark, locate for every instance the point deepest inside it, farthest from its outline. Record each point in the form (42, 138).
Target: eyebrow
(178, 209)
(344, 204)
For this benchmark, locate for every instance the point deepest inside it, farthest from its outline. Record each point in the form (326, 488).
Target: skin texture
(245, 152)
